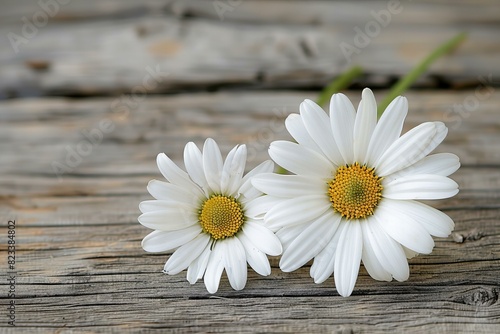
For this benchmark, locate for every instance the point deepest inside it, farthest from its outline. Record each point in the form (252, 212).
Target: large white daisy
(207, 216)
(354, 194)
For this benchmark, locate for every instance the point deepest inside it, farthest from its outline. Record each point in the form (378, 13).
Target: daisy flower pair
(352, 198)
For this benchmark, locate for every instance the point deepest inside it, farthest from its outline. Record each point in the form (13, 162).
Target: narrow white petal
(297, 211)
(215, 267)
(247, 190)
(212, 164)
(424, 186)
(288, 186)
(439, 164)
(317, 123)
(310, 242)
(168, 220)
(263, 238)
(411, 147)
(164, 241)
(173, 173)
(288, 234)
(348, 258)
(387, 130)
(342, 118)
(406, 150)
(388, 252)
(370, 260)
(235, 263)
(186, 254)
(265, 167)
(193, 160)
(233, 171)
(158, 205)
(197, 268)
(226, 171)
(168, 191)
(300, 160)
(434, 221)
(324, 262)
(255, 258)
(298, 131)
(258, 207)
(366, 120)
(403, 228)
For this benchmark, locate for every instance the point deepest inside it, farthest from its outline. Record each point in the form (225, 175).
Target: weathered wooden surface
(81, 267)
(106, 47)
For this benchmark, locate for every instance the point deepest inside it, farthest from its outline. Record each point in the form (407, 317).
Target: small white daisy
(353, 196)
(207, 216)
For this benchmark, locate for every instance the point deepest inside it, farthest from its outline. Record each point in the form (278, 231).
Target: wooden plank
(81, 267)
(112, 56)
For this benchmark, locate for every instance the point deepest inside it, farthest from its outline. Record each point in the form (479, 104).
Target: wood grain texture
(81, 267)
(109, 47)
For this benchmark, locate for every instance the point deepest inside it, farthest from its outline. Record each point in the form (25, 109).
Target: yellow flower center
(355, 191)
(221, 216)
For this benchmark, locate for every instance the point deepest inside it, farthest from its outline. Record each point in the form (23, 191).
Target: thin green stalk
(417, 71)
(341, 82)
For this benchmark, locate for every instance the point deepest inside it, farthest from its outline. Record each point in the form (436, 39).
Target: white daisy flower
(354, 194)
(207, 216)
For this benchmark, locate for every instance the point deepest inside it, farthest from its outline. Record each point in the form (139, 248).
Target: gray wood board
(107, 47)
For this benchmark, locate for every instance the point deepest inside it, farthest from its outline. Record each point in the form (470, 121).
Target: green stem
(341, 82)
(417, 71)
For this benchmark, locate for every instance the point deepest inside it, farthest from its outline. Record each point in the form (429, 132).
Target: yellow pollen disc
(221, 216)
(355, 191)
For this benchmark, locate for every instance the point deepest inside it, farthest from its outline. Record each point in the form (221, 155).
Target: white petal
(403, 228)
(233, 169)
(300, 160)
(310, 242)
(342, 118)
(324, 262)
(168, 220)
(259, 206)
(246, 189)
(387, 130)
(186, 254)
(439, 164)
(317, 124)
(297, 211)
(288, 234)
(173, 173)
(235, 262)
(164, 241)
(265, 167)
(168, 191)
(348, 258)
(158, 205)
(263, 238)
(409, 253)
(255, 258)
(424, 186)
(288, 186)
(193, 160)
(215, 267)
(411, 147)
(298, 131)
(434, 221)
(370, 260)
(212, 164)
(366, 120)
(389, 253)
(197, 268)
